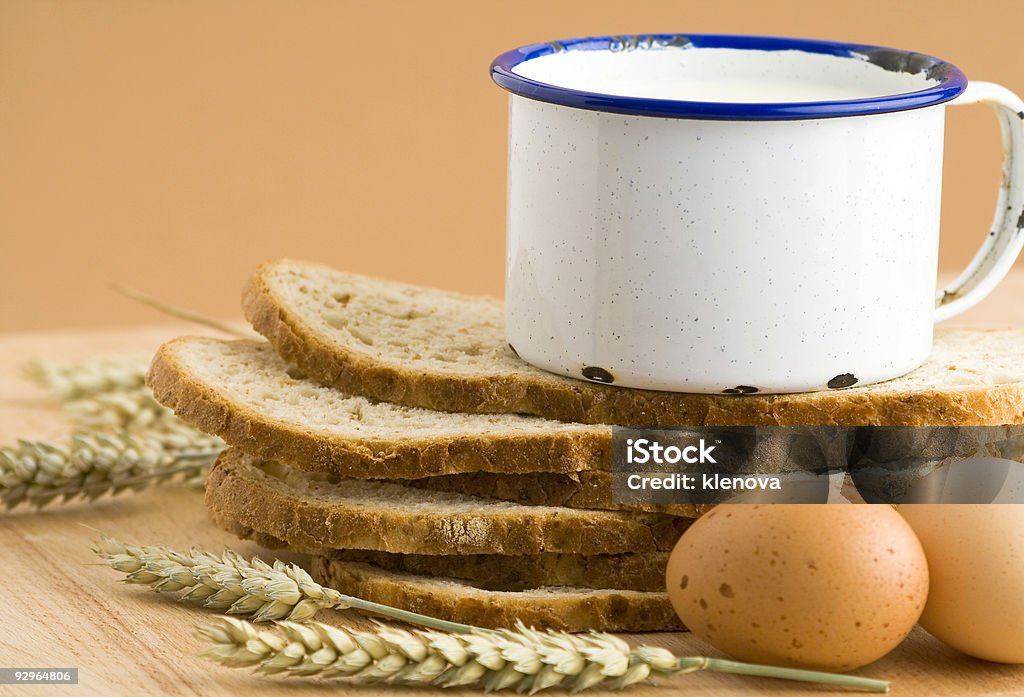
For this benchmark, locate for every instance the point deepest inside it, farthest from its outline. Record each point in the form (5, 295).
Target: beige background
(171, 146)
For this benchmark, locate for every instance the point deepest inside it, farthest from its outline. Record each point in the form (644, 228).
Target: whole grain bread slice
(637, 572)
(557, 608)
(434, 349)
(244, 393)
(316, 512)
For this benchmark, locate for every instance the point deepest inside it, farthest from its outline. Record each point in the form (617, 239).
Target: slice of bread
(577, 490)
(317, 512)
(244, 393)
(637, 572)
(558, 608)
(428, 348)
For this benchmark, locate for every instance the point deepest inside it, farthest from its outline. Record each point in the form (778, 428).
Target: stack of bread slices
(389, 431)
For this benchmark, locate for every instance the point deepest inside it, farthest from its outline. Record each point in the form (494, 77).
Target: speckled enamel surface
(722, 256)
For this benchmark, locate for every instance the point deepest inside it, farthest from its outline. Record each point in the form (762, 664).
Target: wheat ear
(102, 393)
(122, 409)
(39, 472)
(522, 659)
(229, 583)
(89, 377)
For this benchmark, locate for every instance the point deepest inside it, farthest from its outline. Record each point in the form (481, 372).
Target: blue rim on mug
(950, 80)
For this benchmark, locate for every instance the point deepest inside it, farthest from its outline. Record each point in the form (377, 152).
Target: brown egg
(827, 587)
(976, 561)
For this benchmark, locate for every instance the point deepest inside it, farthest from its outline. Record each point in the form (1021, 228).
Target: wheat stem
(179, 312)
(721, 665)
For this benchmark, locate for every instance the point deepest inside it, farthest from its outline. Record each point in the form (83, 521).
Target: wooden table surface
(62, 610)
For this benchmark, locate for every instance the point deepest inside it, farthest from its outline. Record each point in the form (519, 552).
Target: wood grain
(62, 610)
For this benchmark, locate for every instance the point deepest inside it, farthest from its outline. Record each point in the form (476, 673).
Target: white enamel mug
(736, 214)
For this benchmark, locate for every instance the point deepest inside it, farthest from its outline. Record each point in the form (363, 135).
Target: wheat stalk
(40, 472)
(524, 659)
(229, 583)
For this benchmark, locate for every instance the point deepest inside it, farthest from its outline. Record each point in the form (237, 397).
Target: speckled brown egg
(827, 587)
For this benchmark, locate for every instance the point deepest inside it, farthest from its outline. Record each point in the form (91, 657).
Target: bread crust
(566, 399)
(246, 500)
(205, 408)
(570, 610)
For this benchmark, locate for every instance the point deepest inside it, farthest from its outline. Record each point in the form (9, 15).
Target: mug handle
(1006, 236)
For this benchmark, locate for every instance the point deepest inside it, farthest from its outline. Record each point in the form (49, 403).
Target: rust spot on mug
(842, 380)
(592, 372)
(740, 389)
(644, 42)
(677, 41)
(903, 62)
(630, 42)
